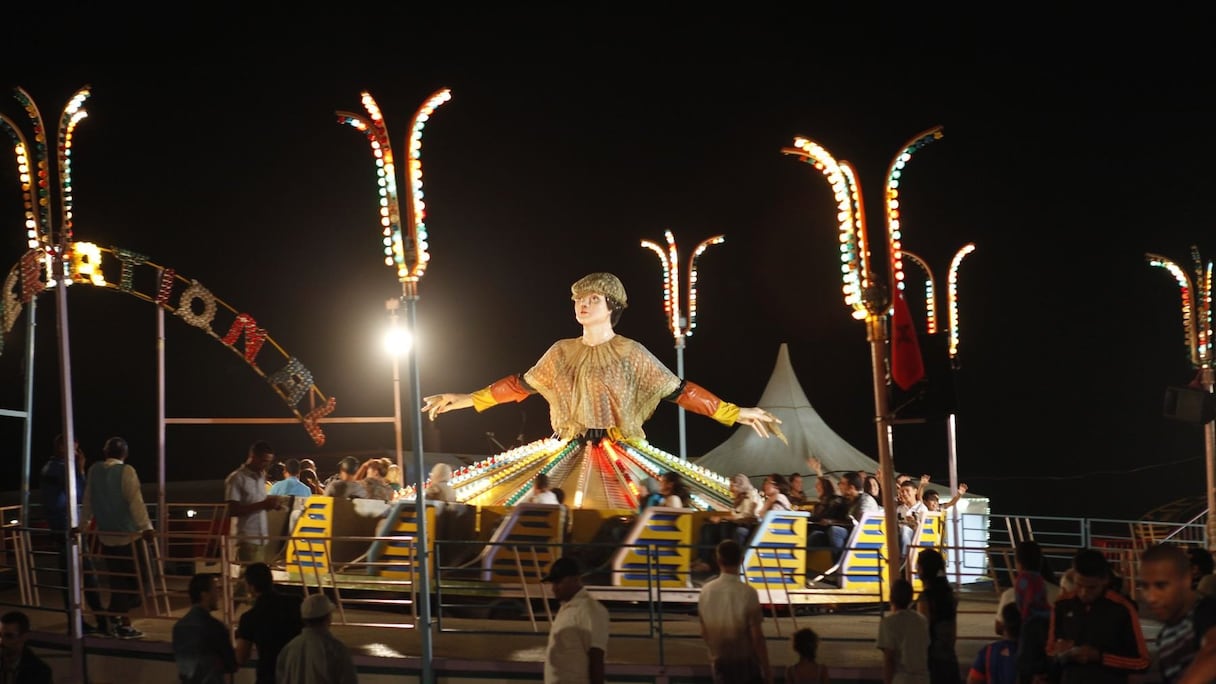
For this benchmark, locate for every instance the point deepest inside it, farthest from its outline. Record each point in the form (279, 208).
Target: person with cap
(601, 383)
(114, 503)
(315, 656)
(578, 638)
(345, 483)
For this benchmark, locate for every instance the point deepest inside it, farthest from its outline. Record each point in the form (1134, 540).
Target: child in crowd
(806, 670)
(997, 663)
(903, 637)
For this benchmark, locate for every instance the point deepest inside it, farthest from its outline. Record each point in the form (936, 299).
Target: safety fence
(496, 586)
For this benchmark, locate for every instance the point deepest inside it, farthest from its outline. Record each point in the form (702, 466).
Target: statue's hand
(762, 422)
(442, 403)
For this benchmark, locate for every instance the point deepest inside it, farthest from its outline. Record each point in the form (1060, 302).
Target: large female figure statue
(602, 384)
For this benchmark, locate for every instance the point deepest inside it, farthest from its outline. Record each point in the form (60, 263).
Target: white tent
(746, 452)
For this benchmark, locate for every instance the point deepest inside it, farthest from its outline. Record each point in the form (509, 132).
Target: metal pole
(876, 329)
(392, 305)
(680, 373)
(954, 548)
(1208, 378)
(27, 432)
(162, 507)
(424, 593)
(69, 443)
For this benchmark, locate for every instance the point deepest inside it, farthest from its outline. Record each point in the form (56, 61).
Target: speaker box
(1189, 405)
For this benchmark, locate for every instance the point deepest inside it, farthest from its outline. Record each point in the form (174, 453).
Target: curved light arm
(33, 236)
(43, 193)
(1203, 308)
(1186, 287)
(894, 174)
(952, 295)
(386, 179)
(854, 252)
(73, 112)
(692, 280)
(669, 259)
(930, 293)
(414, 250)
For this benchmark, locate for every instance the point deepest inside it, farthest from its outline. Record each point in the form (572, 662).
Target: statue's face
(591, 308)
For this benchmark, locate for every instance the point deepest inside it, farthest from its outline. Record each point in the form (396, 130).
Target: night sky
(559, 152)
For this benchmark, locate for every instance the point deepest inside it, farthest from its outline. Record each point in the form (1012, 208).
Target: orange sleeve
(697, 399)
(510, 388)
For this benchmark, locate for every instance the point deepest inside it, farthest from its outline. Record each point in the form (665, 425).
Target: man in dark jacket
(18, 664)
(1095, 634)
(201, 645)
(53, 485)
(273, 621)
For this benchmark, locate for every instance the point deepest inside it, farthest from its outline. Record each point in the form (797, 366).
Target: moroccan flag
(907, 366)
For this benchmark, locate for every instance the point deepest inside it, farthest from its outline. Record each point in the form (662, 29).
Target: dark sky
(565, 144)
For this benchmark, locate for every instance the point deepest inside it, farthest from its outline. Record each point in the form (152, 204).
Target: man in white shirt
(578, 638)
(910, 512)
(245, 491)
(903, 638)
(731, 622)
(114, 501)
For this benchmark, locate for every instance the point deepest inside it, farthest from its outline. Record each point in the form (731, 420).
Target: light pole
(406, 251)
(681, 326)
(1197, 324)
(396, 343)
(48, 249)
(868, 298)
(952, 350)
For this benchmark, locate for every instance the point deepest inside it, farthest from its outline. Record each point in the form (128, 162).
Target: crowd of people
(291, 638)
(1079, 628)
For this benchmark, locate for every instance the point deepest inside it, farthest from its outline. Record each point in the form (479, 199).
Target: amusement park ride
(646, 556)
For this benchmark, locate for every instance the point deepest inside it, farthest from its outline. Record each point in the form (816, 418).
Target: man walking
(731, 622)
(269, 625)
(114, 502)
(245, 491)
(578, 638)
(316, 655)
(201, 646)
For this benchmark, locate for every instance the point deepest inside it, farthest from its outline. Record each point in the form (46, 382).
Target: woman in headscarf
(440, 489)
(747, 501)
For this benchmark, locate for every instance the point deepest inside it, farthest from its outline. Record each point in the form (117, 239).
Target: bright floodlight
(397, 340)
